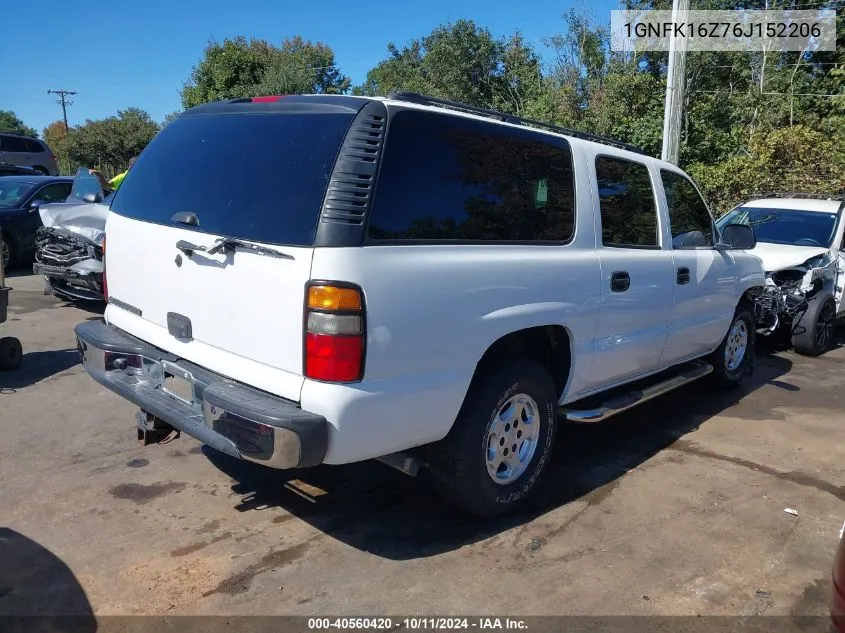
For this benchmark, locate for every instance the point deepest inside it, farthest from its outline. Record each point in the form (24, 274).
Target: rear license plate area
(177, 383)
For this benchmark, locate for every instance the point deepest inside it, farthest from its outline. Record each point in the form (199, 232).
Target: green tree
(56, 136)
(793, 158)
(301, 67)
(109, 143)
(9, 122)
(240, 68)
(169, 117)
(463, 62)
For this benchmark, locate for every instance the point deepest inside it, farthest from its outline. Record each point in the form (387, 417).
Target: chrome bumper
(227, 416)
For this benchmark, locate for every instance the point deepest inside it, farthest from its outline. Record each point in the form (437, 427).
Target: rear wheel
(813, 331)
(733, 359)
(11, 353)
(499, 447)
(41, 170)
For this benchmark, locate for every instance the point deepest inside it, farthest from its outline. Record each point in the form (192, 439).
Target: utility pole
(675, 78)
(63, 101)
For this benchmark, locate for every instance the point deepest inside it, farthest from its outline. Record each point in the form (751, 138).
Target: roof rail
(798, 194)
(414, 97)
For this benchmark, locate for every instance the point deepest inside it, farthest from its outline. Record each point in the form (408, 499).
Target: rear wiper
(230, 245)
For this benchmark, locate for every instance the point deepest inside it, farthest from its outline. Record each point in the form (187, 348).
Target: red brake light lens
(333, 358)
(267, 99)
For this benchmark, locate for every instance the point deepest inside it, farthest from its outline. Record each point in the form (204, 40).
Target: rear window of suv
(258, 177)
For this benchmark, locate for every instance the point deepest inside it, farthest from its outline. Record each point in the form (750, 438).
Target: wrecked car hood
(87, 219)
(779, 256)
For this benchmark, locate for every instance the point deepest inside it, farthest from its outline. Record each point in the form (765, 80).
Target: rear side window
(13, 144)
(692, 225)
(626, 199)
(451, 178)
(259, 177)
(33, 146)
(56, 192)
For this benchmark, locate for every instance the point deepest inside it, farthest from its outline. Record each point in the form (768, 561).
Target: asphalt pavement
(674, 508)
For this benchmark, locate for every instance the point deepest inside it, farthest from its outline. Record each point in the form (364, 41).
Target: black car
(17, 170)
(20, 197)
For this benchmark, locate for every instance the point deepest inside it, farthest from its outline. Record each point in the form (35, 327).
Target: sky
(119, 54)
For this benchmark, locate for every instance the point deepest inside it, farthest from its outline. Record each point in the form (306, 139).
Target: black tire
(7, 252)
(41, 170)
(727, 372)
(11, 353)
(458, 463)
(813, 331)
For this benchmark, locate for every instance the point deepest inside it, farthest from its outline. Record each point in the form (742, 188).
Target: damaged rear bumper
(230, 417)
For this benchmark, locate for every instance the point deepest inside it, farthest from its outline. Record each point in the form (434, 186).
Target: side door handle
(683, 276)
(620, 281)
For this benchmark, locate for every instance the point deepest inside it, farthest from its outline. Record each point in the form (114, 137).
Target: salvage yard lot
(673, 508)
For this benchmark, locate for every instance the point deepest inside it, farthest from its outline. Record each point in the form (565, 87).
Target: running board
(691, 372)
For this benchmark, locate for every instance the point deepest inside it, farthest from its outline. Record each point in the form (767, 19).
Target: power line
(790, 63)
(63, 101)
(781, 94)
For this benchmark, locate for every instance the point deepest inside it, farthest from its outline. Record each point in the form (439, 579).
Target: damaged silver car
(69, 245)
(800, 242)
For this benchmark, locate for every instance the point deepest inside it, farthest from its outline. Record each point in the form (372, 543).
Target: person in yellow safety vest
(114, 183)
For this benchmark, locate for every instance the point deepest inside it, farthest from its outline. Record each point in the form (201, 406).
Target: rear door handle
(620, 281)
(683, 276)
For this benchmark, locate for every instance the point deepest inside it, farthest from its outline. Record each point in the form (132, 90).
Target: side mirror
(33, 206)
(92, 197)
(739, 236)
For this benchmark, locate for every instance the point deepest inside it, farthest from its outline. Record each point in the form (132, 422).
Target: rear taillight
(334, 332)
(105, 283)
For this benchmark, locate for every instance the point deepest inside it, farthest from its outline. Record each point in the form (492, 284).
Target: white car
(799, 240)
(327, 279)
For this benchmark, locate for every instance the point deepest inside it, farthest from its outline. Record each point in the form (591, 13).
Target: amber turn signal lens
(333, 298)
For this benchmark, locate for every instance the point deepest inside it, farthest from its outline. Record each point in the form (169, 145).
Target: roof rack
(414, 97)
(798, 194)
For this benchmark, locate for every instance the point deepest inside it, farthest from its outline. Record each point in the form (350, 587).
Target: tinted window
(785, 226)
(260, 177)
(692, 225)
(12, 192)
(449, 178)
(626, 199)
(33, 146)
(56, 192)
(13, 144)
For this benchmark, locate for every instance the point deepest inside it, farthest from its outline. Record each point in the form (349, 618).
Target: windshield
(84, 183)
(12, 191)
(785, 226)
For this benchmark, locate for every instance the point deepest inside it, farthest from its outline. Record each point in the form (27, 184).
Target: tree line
(752, 121)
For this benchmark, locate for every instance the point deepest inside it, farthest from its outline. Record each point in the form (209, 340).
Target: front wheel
(812, 333)
(733, 359)
(499, 447)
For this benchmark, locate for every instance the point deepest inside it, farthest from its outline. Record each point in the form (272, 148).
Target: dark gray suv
(25, 151)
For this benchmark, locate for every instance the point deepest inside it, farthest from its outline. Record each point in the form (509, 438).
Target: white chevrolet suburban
(322, 279)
